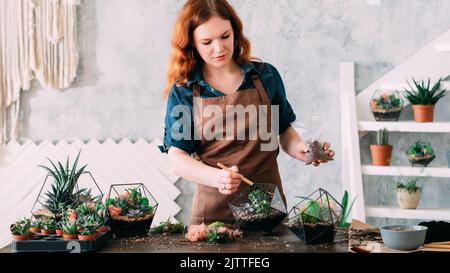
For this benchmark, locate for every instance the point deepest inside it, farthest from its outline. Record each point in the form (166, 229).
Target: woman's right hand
(228, 181)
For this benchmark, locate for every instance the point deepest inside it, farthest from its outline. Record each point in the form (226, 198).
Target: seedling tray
(55, 243)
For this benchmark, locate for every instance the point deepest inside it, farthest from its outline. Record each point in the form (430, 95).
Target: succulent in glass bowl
(386, 105)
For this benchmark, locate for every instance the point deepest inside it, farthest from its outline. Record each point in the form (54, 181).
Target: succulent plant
(410, 186)
(422, 94)
(62, 193)
(21, 227)
(383, 137)
(260, 201)
(69, 227)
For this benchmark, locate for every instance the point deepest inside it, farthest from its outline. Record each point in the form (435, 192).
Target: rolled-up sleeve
(286, 114)
(178, 124)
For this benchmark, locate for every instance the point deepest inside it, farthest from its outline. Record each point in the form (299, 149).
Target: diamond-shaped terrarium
(259, 208)
(314, 218)
(131, 209)
(65, 186)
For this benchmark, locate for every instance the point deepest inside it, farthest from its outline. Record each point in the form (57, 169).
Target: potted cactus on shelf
(382, 151)
(423, 99)
(408, 194)
(386, 105)
(20, 230)
(420, 154)
(70, 229)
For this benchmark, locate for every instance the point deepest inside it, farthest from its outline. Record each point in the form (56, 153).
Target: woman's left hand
(300, 149)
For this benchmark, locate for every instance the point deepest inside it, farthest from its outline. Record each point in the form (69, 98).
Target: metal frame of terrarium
(38, 201)
(325, 234)
(262, 222)
(421, 162)
(135, 228)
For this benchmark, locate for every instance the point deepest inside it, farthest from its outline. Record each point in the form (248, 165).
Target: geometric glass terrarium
(63, 189)
(420, 154)
(131, 209)
(386, 105)
(259, 208)
(314, 218)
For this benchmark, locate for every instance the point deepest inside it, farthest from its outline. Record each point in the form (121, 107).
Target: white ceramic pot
(408, 200)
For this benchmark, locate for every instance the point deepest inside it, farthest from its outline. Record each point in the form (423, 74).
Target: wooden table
(281, 241)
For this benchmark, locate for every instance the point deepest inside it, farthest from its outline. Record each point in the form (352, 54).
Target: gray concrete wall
(124, 46)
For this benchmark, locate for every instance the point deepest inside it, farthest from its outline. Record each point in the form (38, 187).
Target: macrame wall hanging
(38, 40)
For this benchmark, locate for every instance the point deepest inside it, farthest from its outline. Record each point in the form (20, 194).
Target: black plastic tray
(54, 243)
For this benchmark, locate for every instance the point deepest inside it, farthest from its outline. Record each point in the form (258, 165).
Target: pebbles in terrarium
(386, 105)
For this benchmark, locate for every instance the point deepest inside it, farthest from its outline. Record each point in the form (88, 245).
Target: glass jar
(386, 105)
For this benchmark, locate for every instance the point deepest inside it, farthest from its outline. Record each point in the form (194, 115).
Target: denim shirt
(183, 95)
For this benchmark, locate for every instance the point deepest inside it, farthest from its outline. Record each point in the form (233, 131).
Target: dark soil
(438, 231)
(320, 233)
(136, 227)
(259, 222)
(387, 115)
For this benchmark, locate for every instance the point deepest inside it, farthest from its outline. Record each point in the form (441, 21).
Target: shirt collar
(197, 75)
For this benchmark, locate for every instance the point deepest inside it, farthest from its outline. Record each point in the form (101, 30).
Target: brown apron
(209, 204)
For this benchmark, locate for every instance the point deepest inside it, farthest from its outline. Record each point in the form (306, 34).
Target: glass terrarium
(420, 154)
(314, 218)
(59, 192)
(386, 105)
(259, 208)
(131, 209)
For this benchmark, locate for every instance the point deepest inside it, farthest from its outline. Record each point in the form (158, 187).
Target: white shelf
(426, 214)
(405, 171)
(405, 126)
(445, 84)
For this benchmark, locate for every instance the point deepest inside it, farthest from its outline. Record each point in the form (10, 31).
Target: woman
(211, 68)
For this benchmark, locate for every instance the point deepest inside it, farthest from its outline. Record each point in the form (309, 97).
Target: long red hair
(184, 58)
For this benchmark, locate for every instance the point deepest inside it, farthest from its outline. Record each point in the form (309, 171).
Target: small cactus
(382, 137)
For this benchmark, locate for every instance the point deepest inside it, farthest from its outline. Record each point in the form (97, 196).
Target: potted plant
(420, 153)
(20, 230)
(423, 99)
(259, 209)
(314, 219)
(88, 230)
(70, 229)
(408, 194)
(48, 226)
(386, 105)
(36, 226)
(382, 151)
(131, 211)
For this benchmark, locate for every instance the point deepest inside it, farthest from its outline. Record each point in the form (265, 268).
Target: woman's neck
(211, 72)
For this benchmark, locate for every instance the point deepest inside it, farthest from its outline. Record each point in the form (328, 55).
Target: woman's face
(214, 41)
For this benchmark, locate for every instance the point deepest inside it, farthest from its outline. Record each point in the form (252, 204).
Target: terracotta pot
(408, 200)
(381, 154)
(103, 229)
(47, 232)
(35, 230)
(59, 232)
(19, 237)
(70, 236)
(86, 237)
(423, 113)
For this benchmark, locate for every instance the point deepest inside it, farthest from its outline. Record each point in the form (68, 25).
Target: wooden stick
(436, 246)
(440, 243)
(250, 183)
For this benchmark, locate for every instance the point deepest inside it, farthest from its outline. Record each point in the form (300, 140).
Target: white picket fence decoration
(108, 162)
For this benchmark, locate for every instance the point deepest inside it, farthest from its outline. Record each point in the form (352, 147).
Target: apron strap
(261, 91)
(196, 90)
